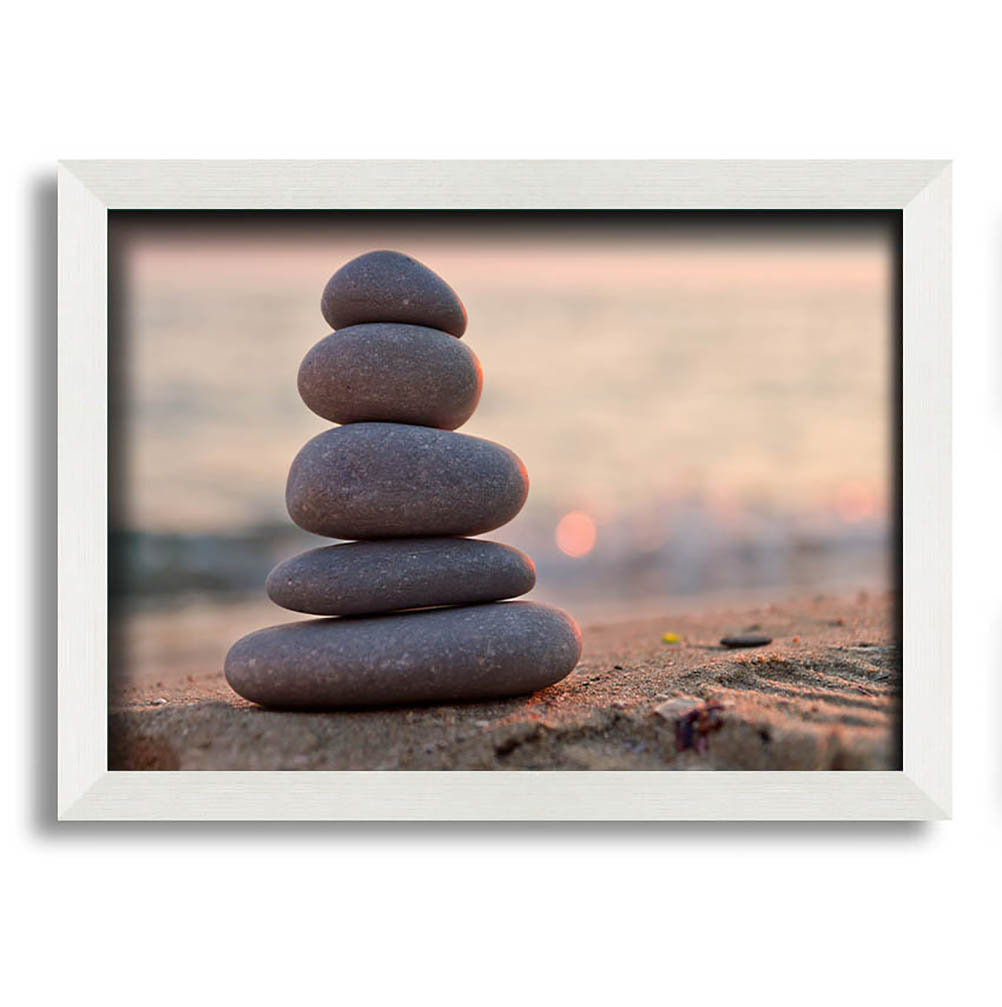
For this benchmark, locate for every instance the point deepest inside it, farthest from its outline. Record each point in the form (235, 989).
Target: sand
(825, 694)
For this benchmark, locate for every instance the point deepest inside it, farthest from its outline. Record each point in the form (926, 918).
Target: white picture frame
(88, 190)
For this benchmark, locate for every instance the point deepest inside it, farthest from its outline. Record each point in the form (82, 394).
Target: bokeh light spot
(575, 534)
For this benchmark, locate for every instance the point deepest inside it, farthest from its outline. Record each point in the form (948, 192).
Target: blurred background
(704, 402)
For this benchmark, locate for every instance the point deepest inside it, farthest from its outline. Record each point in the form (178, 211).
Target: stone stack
(415, 610)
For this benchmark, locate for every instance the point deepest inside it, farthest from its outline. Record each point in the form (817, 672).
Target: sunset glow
(575, 534)
(856, 501)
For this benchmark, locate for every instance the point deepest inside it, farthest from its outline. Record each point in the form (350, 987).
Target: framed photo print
(504, 490)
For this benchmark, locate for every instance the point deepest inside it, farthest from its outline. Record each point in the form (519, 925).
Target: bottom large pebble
(439, 655)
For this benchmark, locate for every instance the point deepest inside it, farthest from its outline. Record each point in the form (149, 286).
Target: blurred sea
(713, 403)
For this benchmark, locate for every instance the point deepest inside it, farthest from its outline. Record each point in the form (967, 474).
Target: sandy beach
(825, 694)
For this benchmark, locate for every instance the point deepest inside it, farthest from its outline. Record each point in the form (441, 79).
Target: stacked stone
(416, 610)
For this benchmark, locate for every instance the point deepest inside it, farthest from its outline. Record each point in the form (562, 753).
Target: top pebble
(391, 287)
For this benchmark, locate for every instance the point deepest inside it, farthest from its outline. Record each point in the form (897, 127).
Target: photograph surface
(556, 491)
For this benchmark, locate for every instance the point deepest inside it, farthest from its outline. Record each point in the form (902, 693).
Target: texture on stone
(441, 655)
(388, 286)
(362, 578)
(391, 372)
(391, 480)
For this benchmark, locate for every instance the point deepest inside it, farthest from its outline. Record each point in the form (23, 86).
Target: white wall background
(533, 914)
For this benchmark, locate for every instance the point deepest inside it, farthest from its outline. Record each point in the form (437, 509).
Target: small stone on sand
(677, 707)
(746, 640)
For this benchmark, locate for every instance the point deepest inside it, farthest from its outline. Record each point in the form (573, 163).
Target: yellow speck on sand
(671, 638)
